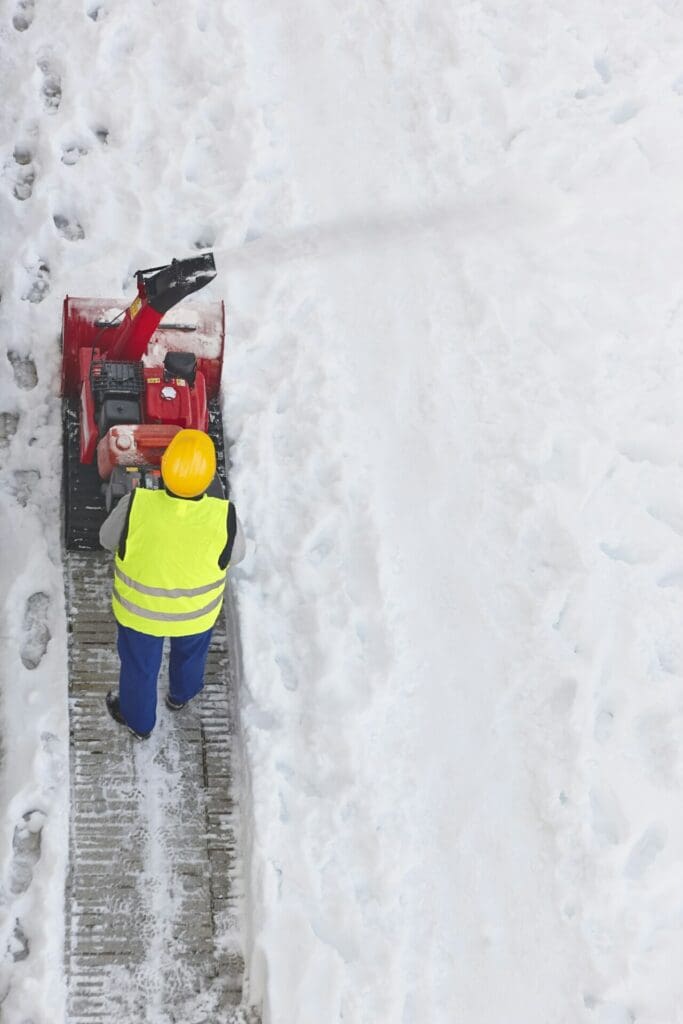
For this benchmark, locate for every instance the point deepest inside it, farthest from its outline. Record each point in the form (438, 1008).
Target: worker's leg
(140, 656)
(186, 666)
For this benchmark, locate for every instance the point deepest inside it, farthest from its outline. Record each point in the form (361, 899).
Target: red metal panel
(172, 400)
(186, 328)
(89, 435)
(133, 444)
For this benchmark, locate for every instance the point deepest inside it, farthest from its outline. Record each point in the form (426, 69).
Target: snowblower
(132, 377)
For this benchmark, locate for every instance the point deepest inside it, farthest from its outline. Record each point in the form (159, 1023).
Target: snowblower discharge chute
(132, 378)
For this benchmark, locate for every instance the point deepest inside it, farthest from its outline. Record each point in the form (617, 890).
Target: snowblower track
(153, 892)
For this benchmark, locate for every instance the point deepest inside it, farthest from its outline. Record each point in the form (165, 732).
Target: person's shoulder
(148, 492)
(223, 502)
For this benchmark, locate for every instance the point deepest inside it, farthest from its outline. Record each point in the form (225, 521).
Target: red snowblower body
(132, 377)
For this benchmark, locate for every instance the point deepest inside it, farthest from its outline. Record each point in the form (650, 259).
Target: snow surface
(449, 243)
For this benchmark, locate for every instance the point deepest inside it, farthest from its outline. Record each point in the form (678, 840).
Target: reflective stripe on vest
(162, 591)
(169, 582)
(147, 613)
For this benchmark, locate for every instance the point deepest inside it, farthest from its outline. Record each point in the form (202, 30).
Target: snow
(448, 240)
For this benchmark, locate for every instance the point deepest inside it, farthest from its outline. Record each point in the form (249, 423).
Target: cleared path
(153, 892)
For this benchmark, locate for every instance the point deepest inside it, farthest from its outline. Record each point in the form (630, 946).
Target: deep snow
(449, 242)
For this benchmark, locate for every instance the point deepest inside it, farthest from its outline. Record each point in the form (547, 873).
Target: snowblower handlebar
(159, 289)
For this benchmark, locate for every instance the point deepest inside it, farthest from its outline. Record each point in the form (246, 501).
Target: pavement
(154, 891)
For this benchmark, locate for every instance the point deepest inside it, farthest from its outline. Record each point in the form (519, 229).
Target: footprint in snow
(645, 851)
(25, 174)
(101, 134)
(25, 373)
(604, 725)
(95, 11)
(24, 15)
(202, 16)
(671, 579)
(26, 847)
(668, 661)
(287, 672)
(206, 239)
(670, 516)
(72, 153)
(18, 947)
(607, 820)
(622, 553)
(587, 91)
(603, 69)
(51, 88)
(36, 630)
(9, 423)
(609, 1013)
(69, 229)
(626, 112)
(57, 766)
(40, 284)
(25, 483)
(22, 155)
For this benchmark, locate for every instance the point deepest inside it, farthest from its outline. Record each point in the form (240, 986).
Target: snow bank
(34, 743)
(456, 333)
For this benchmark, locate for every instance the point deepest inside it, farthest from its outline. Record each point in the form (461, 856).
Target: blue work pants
(140, 656)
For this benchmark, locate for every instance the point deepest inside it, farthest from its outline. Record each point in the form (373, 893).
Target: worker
(172, 549)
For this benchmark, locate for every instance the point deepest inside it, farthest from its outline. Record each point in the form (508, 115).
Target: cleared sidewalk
(153, 891)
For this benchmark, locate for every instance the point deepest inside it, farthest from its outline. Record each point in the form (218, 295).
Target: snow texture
(449, 242)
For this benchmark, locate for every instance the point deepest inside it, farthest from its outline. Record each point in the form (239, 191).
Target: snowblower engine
(139, 376)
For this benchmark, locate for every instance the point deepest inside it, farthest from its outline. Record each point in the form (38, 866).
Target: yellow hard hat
(189, 463)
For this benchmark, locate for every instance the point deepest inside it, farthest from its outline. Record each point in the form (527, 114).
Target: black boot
(175, 705)
(114, 709)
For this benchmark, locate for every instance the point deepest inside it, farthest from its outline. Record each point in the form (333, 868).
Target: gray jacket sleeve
(112, 527)
(239, 546)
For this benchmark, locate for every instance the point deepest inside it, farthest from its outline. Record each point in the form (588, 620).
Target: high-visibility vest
(168, 582)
